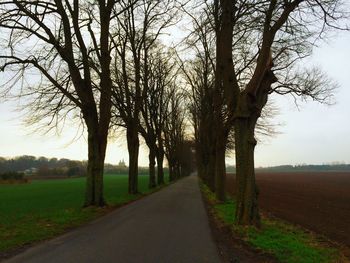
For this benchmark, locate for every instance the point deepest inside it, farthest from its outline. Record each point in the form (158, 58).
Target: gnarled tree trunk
(247, 212)
(249, 111)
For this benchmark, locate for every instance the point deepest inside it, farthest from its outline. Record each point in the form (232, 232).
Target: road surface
(169, 226)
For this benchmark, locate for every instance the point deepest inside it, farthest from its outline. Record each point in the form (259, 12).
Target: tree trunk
(171, 171)
(212, 159)
(152, 170)
(160, 170)
(247, 212)
(220, 169)
(96, 155)
(199, 162)
(178, 173)
(249, 111)
(223, 93)
(133, 149)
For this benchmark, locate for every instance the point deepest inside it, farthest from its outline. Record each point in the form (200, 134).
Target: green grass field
(46, 208)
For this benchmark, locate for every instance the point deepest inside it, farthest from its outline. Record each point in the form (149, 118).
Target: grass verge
(43, 209)
(286, 242)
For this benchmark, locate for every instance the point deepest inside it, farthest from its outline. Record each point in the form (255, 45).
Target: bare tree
(201, 80)
(154, 108)
(213, 127)
(67, 44)
(258, 46)
(199, 76)
(174, 131)
(137, 31)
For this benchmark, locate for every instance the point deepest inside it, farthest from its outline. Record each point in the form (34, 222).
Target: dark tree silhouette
(199, 75)
(68, 45)
(136, 33)
(174, 131)
(258, 47)
(154, 108)
(209, 123)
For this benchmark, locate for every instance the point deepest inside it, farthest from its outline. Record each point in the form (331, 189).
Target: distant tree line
(8, 176)
(298, 168)
(307, 168)
(42, 166)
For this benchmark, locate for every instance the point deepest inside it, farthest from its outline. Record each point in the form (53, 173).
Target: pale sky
(312, 134)
(315, 133)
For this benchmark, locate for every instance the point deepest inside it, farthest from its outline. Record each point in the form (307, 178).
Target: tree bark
(171, 171)
(133, 149)
(210, 167)
(248, 112)
(247, 212)
(208, 153)
(220, 169)
(94, 180)
(224, 88)
(178, 173)
(152, 170)
(97, 121)
(96, 155)
(160, 169)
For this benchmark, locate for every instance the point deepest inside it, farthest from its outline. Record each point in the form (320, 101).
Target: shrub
(12, 176)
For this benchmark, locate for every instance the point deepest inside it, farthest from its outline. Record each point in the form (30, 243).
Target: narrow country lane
(170, 226)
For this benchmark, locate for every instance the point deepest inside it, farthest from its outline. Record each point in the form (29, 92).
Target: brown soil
(319, 202)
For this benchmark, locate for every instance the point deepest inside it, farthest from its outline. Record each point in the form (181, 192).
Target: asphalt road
(169, 226)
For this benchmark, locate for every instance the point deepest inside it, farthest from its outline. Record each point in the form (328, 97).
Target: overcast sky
(311, 133)
(315, 133)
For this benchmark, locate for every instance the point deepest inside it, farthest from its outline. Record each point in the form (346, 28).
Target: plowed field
(319, 202)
